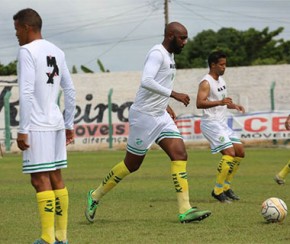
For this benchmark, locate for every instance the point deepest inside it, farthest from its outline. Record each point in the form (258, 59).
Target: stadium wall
(249, 86)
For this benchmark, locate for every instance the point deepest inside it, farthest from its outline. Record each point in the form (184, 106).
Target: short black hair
(215, 56)
(29, 17)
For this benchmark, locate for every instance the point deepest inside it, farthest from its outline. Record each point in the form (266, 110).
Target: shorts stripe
(136, 151)
(221, 147)
(168, 135)
(236, 140)
(47, 166)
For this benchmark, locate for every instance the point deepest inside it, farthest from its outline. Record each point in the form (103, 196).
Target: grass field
(143, 208)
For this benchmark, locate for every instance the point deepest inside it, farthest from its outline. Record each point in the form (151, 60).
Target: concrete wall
(249, 86)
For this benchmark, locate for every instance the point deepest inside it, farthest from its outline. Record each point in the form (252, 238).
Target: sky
(121, 32)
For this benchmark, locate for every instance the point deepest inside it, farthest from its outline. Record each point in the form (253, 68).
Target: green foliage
(86, 70)
(243, 48)
(143, 207)
(101, 66)
(74, 70)
(10, 69)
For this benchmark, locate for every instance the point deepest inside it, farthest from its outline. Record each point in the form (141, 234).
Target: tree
(243, 48)
(10, 69)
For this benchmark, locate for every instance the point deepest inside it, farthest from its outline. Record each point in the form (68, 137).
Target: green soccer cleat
(91, 208)
(193, 214)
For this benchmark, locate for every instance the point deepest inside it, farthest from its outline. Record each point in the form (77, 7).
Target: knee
(36, 183)
(132, 167)
(183, 155)
(229, 153)
(179, 155)
(240, 154)
(40, 182)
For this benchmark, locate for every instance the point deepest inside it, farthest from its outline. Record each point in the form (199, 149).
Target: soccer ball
(274, 210)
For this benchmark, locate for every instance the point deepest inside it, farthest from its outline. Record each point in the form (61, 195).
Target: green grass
(143, 207)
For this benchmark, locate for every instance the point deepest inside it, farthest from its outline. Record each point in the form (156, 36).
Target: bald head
(174, 28)
(175, 37)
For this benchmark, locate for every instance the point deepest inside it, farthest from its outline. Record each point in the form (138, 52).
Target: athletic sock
(222, 172)
(46, 206)
(179, 176)
(61, 214)
(117, 173)
(233, 170)
(285, 171)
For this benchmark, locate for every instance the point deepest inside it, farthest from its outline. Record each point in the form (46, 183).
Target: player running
(213, 99)
(152, 120)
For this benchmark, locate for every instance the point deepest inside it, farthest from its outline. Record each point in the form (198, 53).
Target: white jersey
(218, 91)
(42, 70)
(157, 82)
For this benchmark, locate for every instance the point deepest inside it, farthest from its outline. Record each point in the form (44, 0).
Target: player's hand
(237, 107)
(240, 108)
(69, 134)
(226, 101)
(181, 97)
(22, 141)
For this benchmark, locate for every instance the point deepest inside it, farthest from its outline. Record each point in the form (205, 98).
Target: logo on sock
(58, 210)
(177, 186)
(109, 176)
(49, 206)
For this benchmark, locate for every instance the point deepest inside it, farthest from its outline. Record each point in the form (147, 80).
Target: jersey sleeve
(26, 81)
(69, 97)
(151, 68)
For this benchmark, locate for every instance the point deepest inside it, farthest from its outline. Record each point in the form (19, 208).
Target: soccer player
(280, 177)
(43, 132)
(152, 120)
(212, 98)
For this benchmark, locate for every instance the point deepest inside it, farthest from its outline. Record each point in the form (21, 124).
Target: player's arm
(151, 67)
(236, 106)
(202, 101)
(26, 80)
(181, 97)
(171, 112)
(69, 102)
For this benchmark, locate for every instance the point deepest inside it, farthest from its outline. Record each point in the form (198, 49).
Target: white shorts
(47, 151)
(219, 135)
(146, 129)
